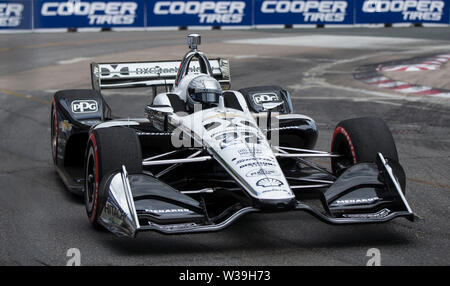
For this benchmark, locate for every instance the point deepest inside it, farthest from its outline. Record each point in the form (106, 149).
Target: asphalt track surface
(40, 220)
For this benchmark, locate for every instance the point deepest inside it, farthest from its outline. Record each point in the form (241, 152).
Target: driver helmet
(204, 90)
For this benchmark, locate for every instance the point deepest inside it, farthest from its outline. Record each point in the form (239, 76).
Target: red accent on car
(341, 130)
(94, 210)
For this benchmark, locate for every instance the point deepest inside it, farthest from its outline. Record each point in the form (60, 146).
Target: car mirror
(268, 106)
(164, 109)
(159, 113)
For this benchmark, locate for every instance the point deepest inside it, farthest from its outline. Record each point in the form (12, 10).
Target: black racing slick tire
(359, 140)
(108, 149)
(54, 132)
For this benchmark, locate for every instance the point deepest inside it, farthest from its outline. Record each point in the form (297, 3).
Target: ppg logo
(259, 98)
(84, 106)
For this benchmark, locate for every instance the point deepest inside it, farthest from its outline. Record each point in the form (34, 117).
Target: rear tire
(359, 140)
(107, 150)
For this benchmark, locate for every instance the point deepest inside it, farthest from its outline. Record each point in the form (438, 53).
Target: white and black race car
(206, 155)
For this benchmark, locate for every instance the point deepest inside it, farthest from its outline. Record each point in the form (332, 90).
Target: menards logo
(167, 211)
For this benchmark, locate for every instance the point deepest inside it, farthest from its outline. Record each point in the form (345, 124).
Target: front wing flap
(365, 193)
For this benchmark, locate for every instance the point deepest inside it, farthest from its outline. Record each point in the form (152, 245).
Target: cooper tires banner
(88, 13)
(47, 14)
(303, 12)
(402, 11)
(15, 15)
(199, 13)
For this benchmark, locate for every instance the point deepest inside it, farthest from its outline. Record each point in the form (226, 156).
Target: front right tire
(359, 140)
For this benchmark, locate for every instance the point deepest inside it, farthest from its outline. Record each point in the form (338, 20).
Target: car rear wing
(154, 74)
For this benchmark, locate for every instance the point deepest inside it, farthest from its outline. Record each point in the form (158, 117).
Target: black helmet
(204, 90)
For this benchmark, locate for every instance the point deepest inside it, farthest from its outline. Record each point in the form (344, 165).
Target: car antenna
(193, 41)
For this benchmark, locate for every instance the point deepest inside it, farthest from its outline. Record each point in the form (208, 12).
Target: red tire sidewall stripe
(94, 208)
(55, 115)
(341, 130)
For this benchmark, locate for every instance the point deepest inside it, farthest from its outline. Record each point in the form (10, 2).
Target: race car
(205, 155)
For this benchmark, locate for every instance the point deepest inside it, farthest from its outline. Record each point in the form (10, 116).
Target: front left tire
(108, 149)
(54, 132)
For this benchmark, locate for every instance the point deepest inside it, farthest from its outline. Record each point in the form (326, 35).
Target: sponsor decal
(269, 182)
(122, 70)
(303, 12)
(88, 13)
(262, 172)
(357, 201)
(164, 70)
(260, 98)
(65, 126)
(227, 123)
(156, 70)
(179, 226)
(114, 71)
(114, 211)
(249, 152)
(234, 138)
(398, 11)
(96, 71)
(275, 190)
(98, 13)
(381, 214)
(254, 159)
(201, 12)
(84, 106)
(257, 164)
(410, 10)
(168, 211)
(11, 14)
(230, 129)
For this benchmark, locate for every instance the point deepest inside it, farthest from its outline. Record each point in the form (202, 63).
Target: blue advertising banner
(199, 13)
(88, 13)
(402, 11)
(303, 12)
(15, 14)
(29, 14)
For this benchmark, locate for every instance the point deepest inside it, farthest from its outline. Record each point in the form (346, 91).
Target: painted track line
(72, 61)
(24, 96)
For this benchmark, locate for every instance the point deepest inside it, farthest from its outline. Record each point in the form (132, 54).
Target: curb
(372, 76)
